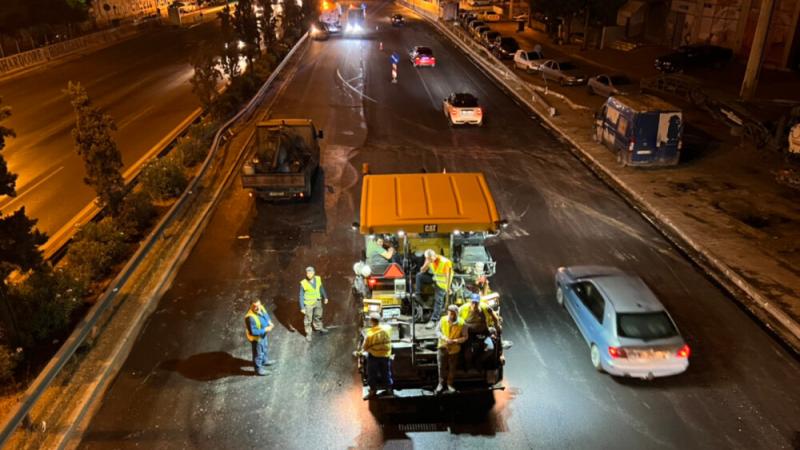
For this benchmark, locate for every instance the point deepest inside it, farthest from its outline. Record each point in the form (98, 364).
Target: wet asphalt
(188, 382)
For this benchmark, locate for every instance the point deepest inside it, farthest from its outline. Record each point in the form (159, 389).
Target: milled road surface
(188, 382)
(142, 83)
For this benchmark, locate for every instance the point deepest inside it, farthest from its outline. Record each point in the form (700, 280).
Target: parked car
(505, 47)
(488, 38)
(628, 330)
(477, 31)
(694, 56)
(465, 16)
(462, 108)
(489, 16)
(319, 31)
(520, 17)
(475, 24)
(642, 130)
(608, 85)
(528, 61)
(563, 71)
(398, 20)
(422, 57)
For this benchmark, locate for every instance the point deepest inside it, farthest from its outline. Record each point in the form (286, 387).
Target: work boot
(261, 371)
(451, 390)
(324, 330)
(430, 325)
(370, 394)
(270, 362)
(439, 389)
(389, 392)
(308, 337)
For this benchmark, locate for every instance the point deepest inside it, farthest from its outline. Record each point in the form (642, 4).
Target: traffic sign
(395, 58)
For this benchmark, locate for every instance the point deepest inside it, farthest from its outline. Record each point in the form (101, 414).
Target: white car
(462, 108)
(528, 61)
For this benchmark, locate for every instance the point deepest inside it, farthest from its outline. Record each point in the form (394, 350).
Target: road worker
(437, 270)
(378, 346)
(482, 328)
(312, 297)
(378, 254)
(257, 324)
(451, 333)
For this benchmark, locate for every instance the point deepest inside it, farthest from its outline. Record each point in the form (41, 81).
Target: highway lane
(142, 83)
(188, 384)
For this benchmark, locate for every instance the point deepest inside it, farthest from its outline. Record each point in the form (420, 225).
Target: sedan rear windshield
(424, 51)
(645, 326)
(534, 55)
(566, 66)
(464, 101)
(620, 80)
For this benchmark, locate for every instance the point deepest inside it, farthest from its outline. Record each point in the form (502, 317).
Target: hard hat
(375, 316)
(453, 308)
(310, 269)
(429, 253)
(475, 298)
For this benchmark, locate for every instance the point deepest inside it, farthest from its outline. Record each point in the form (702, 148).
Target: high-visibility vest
(256, 320)
(463, 312)
(451, 331)
(378, 342)
(442, 270)
(311, 294)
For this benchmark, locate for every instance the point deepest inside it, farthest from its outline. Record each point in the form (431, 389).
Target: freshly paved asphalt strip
(188, 381)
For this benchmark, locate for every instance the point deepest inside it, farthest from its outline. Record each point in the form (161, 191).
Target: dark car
(398, 20)
(694, 56)
(505, 47)
(488, 38)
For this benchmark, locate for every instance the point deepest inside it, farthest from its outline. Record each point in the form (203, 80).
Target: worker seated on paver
(380, 254)
(483, 328)
(436, 270)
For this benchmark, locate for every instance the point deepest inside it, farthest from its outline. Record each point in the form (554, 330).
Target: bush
(163, 178)
(8, 362)
(193, 148)
(137, 214)
(44, 303)
(97, 247)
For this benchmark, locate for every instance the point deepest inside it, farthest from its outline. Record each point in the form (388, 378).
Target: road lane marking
(29, 189)
(339, 74)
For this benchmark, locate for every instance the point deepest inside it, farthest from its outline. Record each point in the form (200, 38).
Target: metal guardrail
(84, 329)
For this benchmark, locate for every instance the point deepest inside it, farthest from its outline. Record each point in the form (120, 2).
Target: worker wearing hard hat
(312, 297)
(378, 346)
(437, 270)
(482, 326)
(257, 324)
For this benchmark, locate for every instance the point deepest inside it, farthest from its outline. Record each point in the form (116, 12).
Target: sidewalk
(721, 205)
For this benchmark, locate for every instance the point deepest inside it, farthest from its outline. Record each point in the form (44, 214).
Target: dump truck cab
(453, 214)
(282, 158)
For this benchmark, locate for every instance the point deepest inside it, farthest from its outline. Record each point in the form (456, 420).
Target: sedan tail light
(684, 351)
(416, 60)
(617, 352)
(479, 111)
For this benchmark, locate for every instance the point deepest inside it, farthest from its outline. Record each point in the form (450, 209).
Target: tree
(230, 45)
(93, 142)
(19, 239)
(246, 25)
(206, 75)
(291, 21)
(266, 25)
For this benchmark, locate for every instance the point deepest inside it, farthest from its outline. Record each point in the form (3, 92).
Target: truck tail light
(631, 144)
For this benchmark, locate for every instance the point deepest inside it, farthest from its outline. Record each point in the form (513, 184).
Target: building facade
(110, 10)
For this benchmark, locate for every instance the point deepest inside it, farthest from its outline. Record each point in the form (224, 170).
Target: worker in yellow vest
(312, 297)
(437, 270)
(451, 333)
(483, 327)
(256, 325)
(378, 347)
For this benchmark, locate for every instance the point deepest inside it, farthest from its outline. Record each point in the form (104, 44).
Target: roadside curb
(740, 289)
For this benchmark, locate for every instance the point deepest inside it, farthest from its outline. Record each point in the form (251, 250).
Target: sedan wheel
(594, 354)
(560, 296)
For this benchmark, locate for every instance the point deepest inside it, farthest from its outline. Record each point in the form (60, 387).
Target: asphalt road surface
(188, 382)
(142, 83)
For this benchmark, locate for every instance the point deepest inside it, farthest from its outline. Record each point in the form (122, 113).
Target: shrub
(8, 362)
(97, 247)
(193, 148)
(163, 178)
(44, 302)
(137, 214)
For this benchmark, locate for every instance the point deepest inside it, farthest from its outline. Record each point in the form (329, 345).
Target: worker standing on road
(378, 346)
(312, 297)
(437, 270)
(451, 333)
(257, 324)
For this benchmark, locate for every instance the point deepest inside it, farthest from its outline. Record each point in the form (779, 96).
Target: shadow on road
(209, 366)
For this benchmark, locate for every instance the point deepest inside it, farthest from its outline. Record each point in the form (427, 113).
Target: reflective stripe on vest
(257, 321)
(379, 341)
(441, 269)
(311, 294)
(451, 331)
(463, 312)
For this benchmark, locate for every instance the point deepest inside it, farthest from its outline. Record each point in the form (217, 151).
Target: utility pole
(585, 43)
(750, 81)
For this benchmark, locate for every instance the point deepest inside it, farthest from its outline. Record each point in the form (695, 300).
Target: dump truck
(282, 159)
(454, 214)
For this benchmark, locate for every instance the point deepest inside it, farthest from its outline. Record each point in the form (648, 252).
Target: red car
(422, 57)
